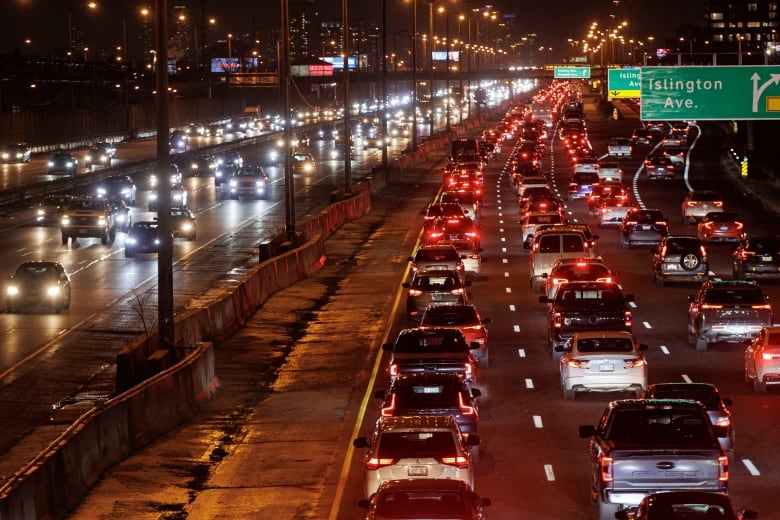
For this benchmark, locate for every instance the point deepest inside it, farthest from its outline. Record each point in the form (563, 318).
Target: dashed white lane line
(538, 421)
(503, 239)
(504, 260)
(751, 467)
(665, 350)
(508, 290)
(529, 383)
(548, 471)
(500, 230)
(632, 305)
(647, 325)
(516, 328)
(687, 378)
(503, 250)
(506, 274)
(521, 352)
(512, 308)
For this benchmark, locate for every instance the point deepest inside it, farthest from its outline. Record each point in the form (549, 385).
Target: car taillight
(770, 356)
(392, 370)
(718, 204)
(690, 203)
(376, 463)
(460, 290)
(558, 281)
(459, 461)
(723, 422)
(387, 411)
(745, 254)
(627, 319)
(711, 306)
(465, 408)
(415, 292)
(557, 320)
(634, 362)
(606, 467)
(723, 468)
(578, 363)
(763, 307)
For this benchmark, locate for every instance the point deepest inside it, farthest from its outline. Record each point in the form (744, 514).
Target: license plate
(607, 368)
(645, 227)
(417, 471)
(766, 258)
(671, 267)
(724, 228)
(705, 206)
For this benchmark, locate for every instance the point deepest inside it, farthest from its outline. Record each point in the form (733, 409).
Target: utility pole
(414, 75)
(284, 83)
(347, 128)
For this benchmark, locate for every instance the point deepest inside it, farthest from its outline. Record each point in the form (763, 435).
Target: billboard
(338, 62)
(225, 65)
(442, 55)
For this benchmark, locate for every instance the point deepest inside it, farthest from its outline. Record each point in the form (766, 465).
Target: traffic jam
(661, 449)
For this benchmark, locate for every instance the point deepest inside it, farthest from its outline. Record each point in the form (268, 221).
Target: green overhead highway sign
(623, 83)
(571, 72)
(710, 92)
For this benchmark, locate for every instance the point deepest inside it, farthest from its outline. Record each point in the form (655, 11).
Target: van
(549, 245)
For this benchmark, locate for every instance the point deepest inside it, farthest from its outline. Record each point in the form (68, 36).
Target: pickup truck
(727, 310)
(432, 349)
(644, 446)
(619, 147)
(88, 217)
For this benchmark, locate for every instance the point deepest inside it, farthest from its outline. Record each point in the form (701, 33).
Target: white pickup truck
(619, 147)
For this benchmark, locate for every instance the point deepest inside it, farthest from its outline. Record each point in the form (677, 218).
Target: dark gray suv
(681, 258)
(435, 287)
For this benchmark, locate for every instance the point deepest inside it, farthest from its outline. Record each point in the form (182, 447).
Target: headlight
(12, 290)
(53, 290)
(65, 220)
(308, 168)
(130, 240)
(233, 183)
(152, 196)
(186, 226)
(260, 184)
(121, 218)
(41, 212)
(51, 164)
(102, 221)
(101, 192)
(126, 191)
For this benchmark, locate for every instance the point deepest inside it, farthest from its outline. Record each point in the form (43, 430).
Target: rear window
(422, 503)
(586, 178)
(584, 272)
(682, 245)
(742, 295)
(705, 196)
(660, 427)
(705, 395)
(433, 396)
(769, 246)
(439, 255)
(589, 298)
(605, 345)
(434, 343)
(416, 445)
(449, 316)
(545, 219)
(550, 244)
(573, 244)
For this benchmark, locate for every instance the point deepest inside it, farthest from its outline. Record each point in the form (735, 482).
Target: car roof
(417, 422)
(424, 484)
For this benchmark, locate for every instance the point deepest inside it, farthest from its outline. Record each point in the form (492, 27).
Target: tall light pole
(414, 75)
(430, 66)
(347, 127)
(284, 83)
(165, 255)
(447, 64)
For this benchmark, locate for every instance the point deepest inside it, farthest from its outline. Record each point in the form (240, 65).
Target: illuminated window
(752, 8)
(716, 16)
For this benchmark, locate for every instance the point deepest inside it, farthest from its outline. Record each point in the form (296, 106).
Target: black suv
(583, 307)
(757, 257)
(432, 349)
(643, 226)
(432, 393)
(680, 258)
(436, 287)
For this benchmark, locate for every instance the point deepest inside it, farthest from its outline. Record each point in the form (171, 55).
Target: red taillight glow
(627, 317)
(557, 320)
(634, 362)
(392, 370)
(711, 306)
(723, 468)
(459, 461)
(376, 463)
(387, 411)
(415, 292)
(458, 291)
(605, 468)
(465, 409)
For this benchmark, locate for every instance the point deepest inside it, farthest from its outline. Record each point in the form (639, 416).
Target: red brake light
(376, 463)
(459, 461)
(465, 409)
(711, 306)
(393, 370)
(723, 468)
(634, 362)
(459, 290)
(415, 292)
(557, 320)
(387, 411)
(627, 319)
(605, 468)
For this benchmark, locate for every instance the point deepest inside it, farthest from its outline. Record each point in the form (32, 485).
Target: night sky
(44, 22)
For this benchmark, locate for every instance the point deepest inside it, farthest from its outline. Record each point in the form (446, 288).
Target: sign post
(710, 93)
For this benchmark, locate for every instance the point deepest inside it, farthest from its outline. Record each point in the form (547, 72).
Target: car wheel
(701, 343)
(112, 235)
(104, 238)
(758, 385)
(485, 361)
(690, 262)
(569, 393)
(625, 244)
(64, 239)
(659, 279)
(66, 300)
(691, 337)
(474, 452)
(748, 379)
(129, 253)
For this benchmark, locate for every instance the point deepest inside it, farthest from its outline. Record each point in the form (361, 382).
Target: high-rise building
(742, 26)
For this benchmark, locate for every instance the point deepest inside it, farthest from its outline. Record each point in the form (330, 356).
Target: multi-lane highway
(532, 463)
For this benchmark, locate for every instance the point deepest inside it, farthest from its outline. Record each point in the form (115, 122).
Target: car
(117, 187)
(698, 203)
(643, 226)
(15, 153)
(535, 193)
(50, 209)
(604, 189)
(586, 307)
(88, 217)
(123, 216)
(437, 287)
(529, 181)
(441, 209)
(550, 244)
(470, 255)
(106, 147)
(97, 156)
(248, 181)
(466, 319)
(436, 257)
(63, 162)
(659, 167)
(762, 358)
(227, 164)
(451, 228)
(675, 153)
(669, 505)
(540, 205)
(576, 270)
(303, 163)
(416, 447)
(582, 184)
(587, 164)
(619, 147)
(418, 499)
(727, 311)
(708, 395)
(531, 222)
(469, 201)
(610, 171)
(38, 284)
(183, 223)
(178, 141)
(681, 258)
(602, 361)
(432, 393)
(756, 257)
(179, 197)
(204, 165)
(175, 177)
(720, 226)
(432, 349)
(612, 209)
(143, 237)
(642, 136)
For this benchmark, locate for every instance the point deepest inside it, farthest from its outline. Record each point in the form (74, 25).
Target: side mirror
(380, 394)
(361, 442)
(388, 347)
(643, 347)
(410, 259)
(472, 439)
(475, 392)
(629, 297)
(727, 401)
(544, 299)
(585, 431)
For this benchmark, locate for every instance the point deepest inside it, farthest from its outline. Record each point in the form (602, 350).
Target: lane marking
(538, 421)
(529, 383)
(665, 350)
(647, 325)
(687, 378)
(548, 471)
(521, 352)
(506, 274)
(516, 328)
(751, 467)
(504, 260)
(512, 307)
(508, 290)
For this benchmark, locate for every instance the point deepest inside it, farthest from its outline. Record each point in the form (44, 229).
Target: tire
(128, 253)
(625, 244)
(747, 377)
(484, 362)
(691, 337)
(607, 511)
(64, 239)
(758, 385)
(104, 239)
(690, 262)
(701, 343)
(66, 301)
(112, 235)
(659, 280)
(569, 394)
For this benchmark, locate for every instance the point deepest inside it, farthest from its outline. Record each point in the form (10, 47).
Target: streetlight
(447, 65)
(430, 66)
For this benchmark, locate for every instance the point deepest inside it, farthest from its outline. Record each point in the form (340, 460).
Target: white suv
(422, 446)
